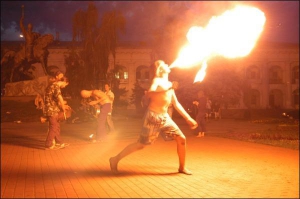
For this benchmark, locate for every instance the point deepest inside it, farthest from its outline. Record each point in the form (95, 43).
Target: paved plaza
(222, 168)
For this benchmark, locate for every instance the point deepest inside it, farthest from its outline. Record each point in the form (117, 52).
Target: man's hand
(192, 123)
(67, 107)
(92, 103)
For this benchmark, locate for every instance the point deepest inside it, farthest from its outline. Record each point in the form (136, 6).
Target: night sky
(143, 17)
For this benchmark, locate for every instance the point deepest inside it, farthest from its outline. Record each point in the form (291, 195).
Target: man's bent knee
(141, 146)
(181, 140)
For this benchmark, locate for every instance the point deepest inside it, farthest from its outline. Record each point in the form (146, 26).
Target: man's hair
(57, 73)
(84, 93)
(157, 65)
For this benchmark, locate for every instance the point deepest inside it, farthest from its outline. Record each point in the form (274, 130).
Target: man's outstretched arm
(191, 122)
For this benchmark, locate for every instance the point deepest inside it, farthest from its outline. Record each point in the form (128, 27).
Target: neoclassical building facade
(271, 70)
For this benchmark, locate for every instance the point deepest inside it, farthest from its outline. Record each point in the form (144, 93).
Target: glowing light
(231, 35)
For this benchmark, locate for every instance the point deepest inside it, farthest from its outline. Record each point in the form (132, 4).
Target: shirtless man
(105, 107)
(157, 119)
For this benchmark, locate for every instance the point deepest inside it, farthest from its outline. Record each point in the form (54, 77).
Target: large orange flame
(232, 34)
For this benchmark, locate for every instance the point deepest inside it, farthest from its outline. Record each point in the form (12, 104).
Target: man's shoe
(62, 145)
(99, 141)
(53, 147)
(199, 135)
(43, 119)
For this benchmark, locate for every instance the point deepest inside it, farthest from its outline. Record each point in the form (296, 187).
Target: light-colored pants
(109, 122)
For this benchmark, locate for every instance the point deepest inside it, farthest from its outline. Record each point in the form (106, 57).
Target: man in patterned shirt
(54, 103)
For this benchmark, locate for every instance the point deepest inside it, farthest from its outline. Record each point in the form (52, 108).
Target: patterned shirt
(51, 99)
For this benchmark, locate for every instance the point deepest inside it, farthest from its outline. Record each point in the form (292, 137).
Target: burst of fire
(232, 34)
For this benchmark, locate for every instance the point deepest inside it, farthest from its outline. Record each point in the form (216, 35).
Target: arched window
(138, 75)
(296, 98)
(295, 74)
(254, 98)
(275, 75)
(275, 98)
(142, 73)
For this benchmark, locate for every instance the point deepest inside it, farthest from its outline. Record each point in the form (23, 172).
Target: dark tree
(98, 42)
(136, 96)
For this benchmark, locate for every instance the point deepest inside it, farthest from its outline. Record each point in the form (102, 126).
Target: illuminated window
(122, 73)
(125, 75)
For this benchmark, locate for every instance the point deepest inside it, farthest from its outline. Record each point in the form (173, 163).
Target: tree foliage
(114, 84)
(136, 96)
(97, 43)
(75, 72)
(223, 83)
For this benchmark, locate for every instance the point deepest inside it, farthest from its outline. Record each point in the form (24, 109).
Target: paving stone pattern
(222, 168)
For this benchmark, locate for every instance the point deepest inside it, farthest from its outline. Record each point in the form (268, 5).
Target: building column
(265, 85)
(288, 86)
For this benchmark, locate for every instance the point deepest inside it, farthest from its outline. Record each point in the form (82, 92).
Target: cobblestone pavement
(222, 168)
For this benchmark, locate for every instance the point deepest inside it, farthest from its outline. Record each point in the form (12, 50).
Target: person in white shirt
(111, 97)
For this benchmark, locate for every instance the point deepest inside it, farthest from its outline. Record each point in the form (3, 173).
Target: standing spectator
(105, 107)
(201, 112)
(111, 97)
(170, 108)
(217, 110)
(157, 119)
(145, 101)
(208, 108)
(54, 103)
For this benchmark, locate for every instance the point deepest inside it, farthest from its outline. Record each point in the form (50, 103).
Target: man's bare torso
(101, 97)
(161, 98)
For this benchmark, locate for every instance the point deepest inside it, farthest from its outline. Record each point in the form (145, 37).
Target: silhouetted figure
(29, 36)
